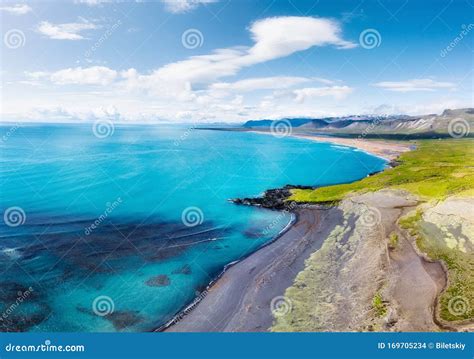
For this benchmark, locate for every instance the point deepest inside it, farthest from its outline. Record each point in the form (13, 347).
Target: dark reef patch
(185, 269)
(120, 319)
(109, 248)
(124, 319)
(56, 249)
(21, 307)
(161, 280)
(253, 232)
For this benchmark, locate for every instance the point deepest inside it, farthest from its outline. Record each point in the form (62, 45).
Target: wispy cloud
(260, 83)
(274, 38)
(92, 2)
(20, 9)
(337, 92)
(183, 6)
(67, 31)
(94, 75)
(195, 84)
(415, 85)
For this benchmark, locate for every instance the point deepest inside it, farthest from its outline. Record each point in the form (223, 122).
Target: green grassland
(436, 169)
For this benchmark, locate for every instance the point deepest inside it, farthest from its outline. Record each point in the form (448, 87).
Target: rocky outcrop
(273, 198)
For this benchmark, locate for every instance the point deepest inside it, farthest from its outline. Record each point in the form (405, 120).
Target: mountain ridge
(457, 122)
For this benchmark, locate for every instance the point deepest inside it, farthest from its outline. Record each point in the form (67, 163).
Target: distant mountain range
(454, 123)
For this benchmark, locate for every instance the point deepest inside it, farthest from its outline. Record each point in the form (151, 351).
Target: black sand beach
(240, 300)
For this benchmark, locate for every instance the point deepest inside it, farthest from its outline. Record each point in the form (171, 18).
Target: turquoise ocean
(119, 230)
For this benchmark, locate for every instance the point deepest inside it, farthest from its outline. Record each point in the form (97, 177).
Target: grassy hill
(436, 169)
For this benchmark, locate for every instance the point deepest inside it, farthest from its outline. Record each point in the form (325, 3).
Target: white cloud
(260, 83)
(68, 31)
(337, 92)
(274, 38)
(415, 85)
(20, 9)
(95, 75)
(182, 6)
(281, 36)
(92, 2)
(198, 85)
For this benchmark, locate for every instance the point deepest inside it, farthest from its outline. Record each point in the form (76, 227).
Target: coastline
(409, 283)
(230, 302)
(388, 150)
(240, 300)
(188, 308)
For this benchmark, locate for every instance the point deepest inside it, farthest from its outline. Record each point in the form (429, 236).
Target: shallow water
(136, 224)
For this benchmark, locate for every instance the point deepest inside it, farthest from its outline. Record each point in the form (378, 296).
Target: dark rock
(24, 317)
(10, 291)
(186, 269)
(161, 280)
(272, 198)
(394, 163)
(253, 232)
(123, 319)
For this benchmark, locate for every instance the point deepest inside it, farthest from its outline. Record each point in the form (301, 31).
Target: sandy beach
(389, 150)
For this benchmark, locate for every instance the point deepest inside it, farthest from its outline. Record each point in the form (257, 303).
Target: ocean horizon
(122, 229)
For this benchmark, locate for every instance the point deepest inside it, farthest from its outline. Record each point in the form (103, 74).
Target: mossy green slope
(436, 169)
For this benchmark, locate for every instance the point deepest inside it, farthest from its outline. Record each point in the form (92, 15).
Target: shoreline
(240, 299)
(184, 318)
(188, 308)
(388, 150)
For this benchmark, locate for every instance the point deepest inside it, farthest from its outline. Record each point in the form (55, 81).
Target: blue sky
(205, 60)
